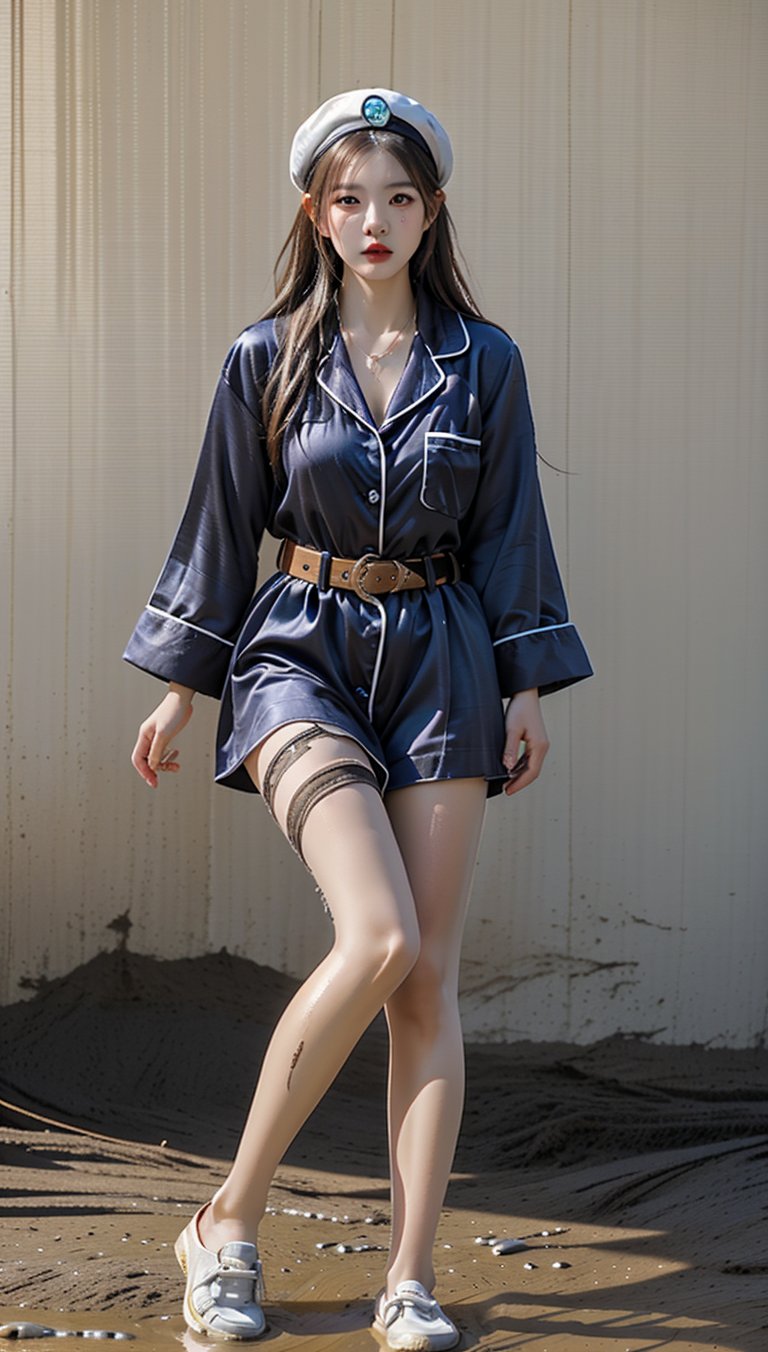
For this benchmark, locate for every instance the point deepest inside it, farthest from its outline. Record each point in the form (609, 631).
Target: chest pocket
(451, 468)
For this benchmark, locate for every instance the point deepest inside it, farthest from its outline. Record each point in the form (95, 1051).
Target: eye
(401, 199)
(347, 200)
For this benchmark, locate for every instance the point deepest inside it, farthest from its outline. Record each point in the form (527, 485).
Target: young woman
(380, 427)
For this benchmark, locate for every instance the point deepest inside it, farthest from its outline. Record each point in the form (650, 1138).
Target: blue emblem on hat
(376, 111)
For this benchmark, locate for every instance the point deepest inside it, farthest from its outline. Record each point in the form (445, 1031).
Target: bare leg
(350, 847)
(438, 828)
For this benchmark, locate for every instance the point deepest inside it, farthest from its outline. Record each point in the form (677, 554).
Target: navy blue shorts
(411, 677)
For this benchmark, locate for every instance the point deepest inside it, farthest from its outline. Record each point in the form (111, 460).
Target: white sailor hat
(359, 109)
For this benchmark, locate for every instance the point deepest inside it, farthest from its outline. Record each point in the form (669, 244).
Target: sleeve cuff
(174, 650)
(548, 659)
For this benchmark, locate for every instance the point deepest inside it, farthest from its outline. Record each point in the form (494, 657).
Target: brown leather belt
(367, 576)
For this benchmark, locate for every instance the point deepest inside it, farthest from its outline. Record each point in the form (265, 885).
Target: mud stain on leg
(294, 1060)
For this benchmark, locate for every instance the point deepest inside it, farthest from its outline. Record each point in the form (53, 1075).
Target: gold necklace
(373, 360)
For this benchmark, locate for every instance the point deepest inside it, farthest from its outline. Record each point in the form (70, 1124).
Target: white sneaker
(412, 1320)
(224, 1290)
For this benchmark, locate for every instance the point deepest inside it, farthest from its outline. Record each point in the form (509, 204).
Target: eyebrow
(358, 187)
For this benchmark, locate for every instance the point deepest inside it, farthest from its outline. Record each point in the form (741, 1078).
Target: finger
(512, 748)
(139, 759)
(517, 760)
(520, 766)
(169, 761)
(521, 782)
(139, 753)
(536, 753)
(529, 768)
(156, 751)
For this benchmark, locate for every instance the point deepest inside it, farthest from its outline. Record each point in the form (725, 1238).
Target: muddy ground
(642, 1169)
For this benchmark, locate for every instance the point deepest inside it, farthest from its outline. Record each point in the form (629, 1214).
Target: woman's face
(374, 216)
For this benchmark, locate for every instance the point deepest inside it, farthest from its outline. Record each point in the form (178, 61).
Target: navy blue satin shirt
(416, 677)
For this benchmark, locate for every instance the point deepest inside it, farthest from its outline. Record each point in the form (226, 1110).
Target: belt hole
(345, 575)
(305, 566)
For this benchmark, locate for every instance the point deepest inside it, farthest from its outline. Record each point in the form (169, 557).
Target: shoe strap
(223, 1273)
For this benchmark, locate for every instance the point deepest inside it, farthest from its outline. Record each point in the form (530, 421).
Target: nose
(374, 223)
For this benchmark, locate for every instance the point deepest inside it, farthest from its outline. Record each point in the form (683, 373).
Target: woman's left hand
(525, 724)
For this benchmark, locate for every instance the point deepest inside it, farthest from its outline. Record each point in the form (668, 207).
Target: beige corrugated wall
(611, 195)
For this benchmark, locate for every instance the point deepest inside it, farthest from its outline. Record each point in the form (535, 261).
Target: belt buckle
(360, 569)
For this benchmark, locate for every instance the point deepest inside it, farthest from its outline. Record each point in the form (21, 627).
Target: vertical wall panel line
(202, 206)
(167, 274)
(68, 208)
(181, 13)
(11, 42)
(319, 93)
(572, 787)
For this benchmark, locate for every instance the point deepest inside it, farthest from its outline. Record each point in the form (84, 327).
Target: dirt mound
(125, 1044)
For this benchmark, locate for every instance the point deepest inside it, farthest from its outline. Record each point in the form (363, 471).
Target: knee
(385, 959)
(428, 992)
(404, 948)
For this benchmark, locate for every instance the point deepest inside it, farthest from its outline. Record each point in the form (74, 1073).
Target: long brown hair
(308, 274)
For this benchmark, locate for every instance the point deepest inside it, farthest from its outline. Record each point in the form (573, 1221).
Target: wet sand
(641, 1169)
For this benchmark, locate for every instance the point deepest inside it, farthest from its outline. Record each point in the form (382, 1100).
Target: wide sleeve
(188, 628)
(507, 551)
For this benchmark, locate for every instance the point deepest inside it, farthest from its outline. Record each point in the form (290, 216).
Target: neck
(375, 308)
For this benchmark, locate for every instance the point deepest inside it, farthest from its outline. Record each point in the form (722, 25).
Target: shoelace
(390, 1309)
(228, 1279)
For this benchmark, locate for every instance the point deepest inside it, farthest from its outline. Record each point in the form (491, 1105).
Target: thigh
(348, 843)
(437, 825)
(305, 755)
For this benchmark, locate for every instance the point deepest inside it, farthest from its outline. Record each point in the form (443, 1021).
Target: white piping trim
(459, 350)
(436, 357)
(383, 503)
(426, 395)
(372, 426)
(449, 436)
(453, 436)
(379, 654)
(341, 403)
(157, 611)
(543, 629)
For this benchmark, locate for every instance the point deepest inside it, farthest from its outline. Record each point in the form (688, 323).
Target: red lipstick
(377, 250)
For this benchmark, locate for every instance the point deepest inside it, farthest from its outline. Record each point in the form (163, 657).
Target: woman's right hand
(157, 732)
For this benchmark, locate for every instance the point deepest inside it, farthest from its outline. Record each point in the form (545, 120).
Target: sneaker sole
(415, 1343)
